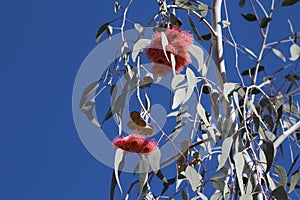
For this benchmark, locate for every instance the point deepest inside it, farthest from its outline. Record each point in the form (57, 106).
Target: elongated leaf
(251, 71)
(138, 27)
(264, 22)
(293, 164)
(178, 97)
(249, 17)
(186, 5)
(203, 9)
(89, 90)
(228, 87)
(175, 21)
(295, 52)
(250, 52)
(198, 53)
(225, 23)
(184, 195)
(226, 147)
(239, 166)
(116, 7)
(88, 109)
(195, 29)
(119, 156)
(268, 149)
(140, 45)
(164, 43)
(246, 197)
(154, 160)
(289, 2)
(101, 30)
(280, 171)
(280, 193)
(177, 80)
(242, 3)
(294, 180)
(193, 177)
(202, 113)
(143, 173)
(191, 81)
(279, 54)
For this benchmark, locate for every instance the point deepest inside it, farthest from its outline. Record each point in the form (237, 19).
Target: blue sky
(42, 45)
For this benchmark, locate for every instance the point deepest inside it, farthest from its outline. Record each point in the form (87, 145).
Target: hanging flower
(135, 143)
(179, 43)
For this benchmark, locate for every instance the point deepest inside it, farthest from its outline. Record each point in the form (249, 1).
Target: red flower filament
(135, 144)
(179, 43)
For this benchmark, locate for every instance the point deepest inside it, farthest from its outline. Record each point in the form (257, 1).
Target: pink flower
(135, 143)
(179, 43)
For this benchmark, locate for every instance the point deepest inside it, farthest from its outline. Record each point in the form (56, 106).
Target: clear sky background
(42, 44)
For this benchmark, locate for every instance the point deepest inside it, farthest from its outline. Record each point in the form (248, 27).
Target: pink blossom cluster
(179, 43)
(135, 143)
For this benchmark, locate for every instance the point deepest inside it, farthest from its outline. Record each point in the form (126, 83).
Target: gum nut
(206, 89)
(148, 79)
(134, 115)
(140, 123)
(131, 125)
(195, 155)
(148, 130)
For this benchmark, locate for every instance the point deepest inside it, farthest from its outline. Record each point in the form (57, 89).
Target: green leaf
(185, 4)
(116, 7)
(154, 160)
(193, 177)
(203, 9)
(184, 195)
(249, 17)
(264, 22)
(118, 165)
(279, 54)
(202, 113)
(89, 90)
(174, 20)
(294, 180)
(177, 80)
(250, 52)
(191, 81)
(101, 31)
(143, 171)
(246, 197)
(293, 164)
(138, 27)
(280, 193)
(88, 109)
(268, 149)
(289, 2)
(291, 26)
(225, 23)
(251, 71)
(239, 166)
(242, 3)
(164, 43)
(280, 171)
(226, 147)
(179, 96)
(295, 52)
(195, 29)
(206, 36)
(228, 87)
(198, 53)
(140, 45)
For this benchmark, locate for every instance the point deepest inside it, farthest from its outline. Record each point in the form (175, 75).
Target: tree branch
(286, 134)
(217, 40)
